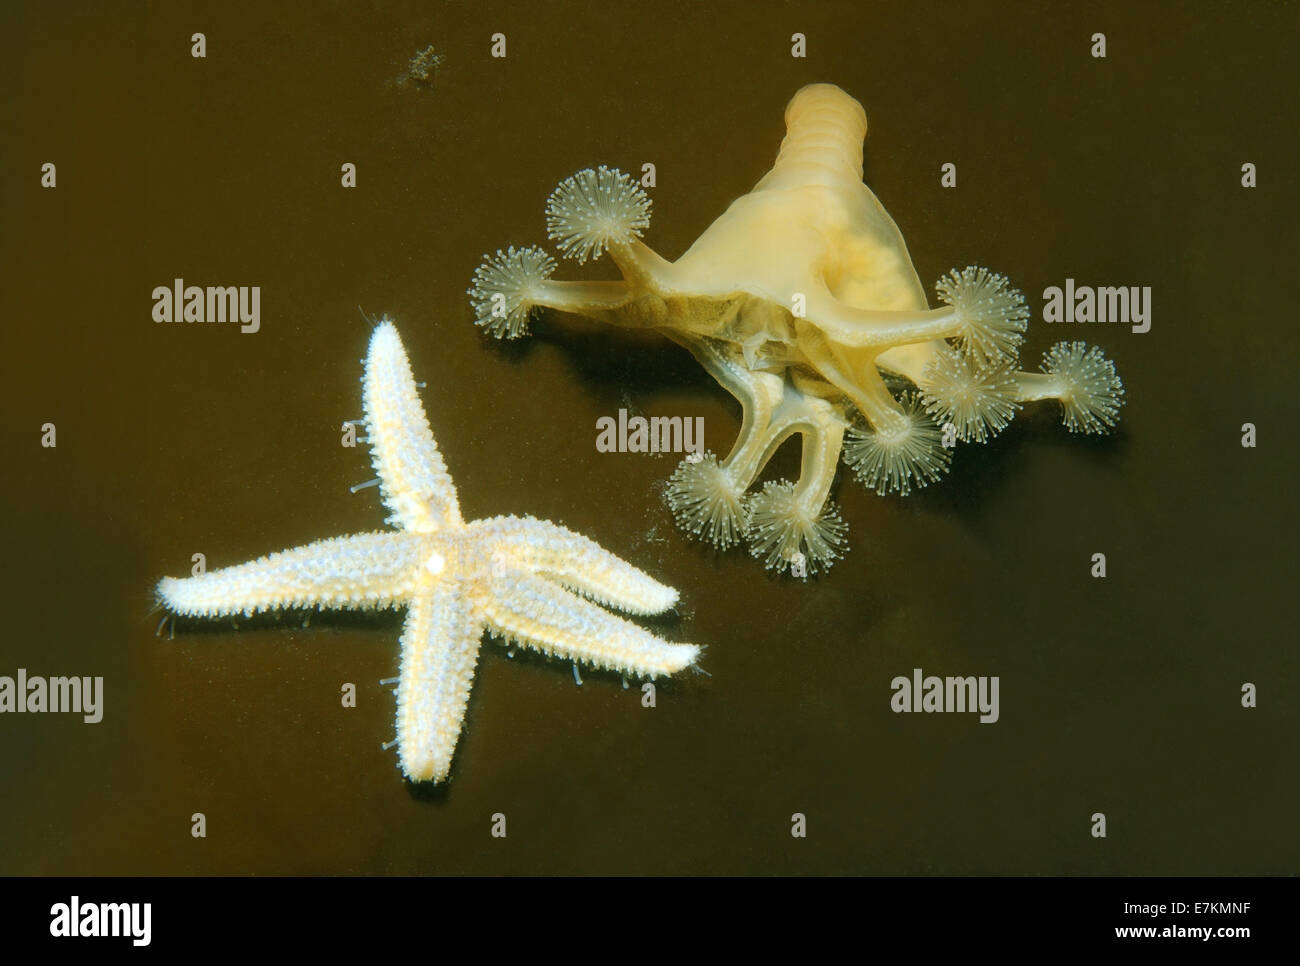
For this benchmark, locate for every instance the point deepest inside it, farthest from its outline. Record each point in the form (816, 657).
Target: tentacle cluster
(594, 210)
(785, 534)
(993, 315)
(971, 388)
(710, 504)
(506, 288)
(706, 501)
(977, 400)
(898, 454)
(1091, 392)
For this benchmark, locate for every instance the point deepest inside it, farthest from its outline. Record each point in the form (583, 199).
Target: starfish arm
(440, 645)
(364, 570)
(578, 563)
(534, 612)
(413, 479)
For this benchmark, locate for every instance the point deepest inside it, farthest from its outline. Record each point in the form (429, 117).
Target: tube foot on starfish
(799, 300)
(531, 582)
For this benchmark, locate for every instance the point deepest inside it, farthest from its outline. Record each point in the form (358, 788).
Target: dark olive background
(1119, 695)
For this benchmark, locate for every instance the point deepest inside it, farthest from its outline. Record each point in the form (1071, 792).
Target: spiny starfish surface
(517, 577)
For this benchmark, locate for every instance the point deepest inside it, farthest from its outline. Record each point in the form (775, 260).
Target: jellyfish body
(800, 299)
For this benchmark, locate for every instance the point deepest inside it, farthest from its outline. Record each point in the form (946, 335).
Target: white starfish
(515, 577)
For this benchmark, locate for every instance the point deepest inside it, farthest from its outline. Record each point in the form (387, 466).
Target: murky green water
(1119, 695)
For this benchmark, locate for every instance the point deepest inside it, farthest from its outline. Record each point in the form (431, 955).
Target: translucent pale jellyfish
(801, 300)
